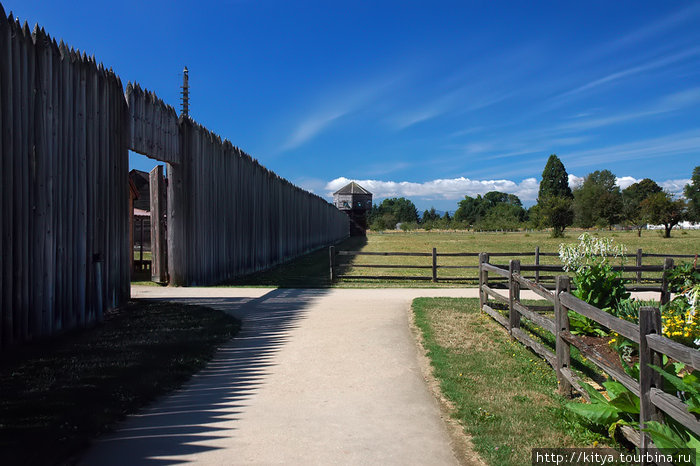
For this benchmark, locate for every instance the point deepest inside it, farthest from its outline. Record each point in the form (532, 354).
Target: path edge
(460, 441)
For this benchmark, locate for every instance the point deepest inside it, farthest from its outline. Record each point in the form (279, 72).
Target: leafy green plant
(686, 385)
(628, 309)
(600, 286)
(582, 325)
(595, 281)
(622, 407)
(682, 277)
(681, 383)
(672, 436)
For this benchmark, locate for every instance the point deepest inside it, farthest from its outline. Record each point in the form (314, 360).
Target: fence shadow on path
(184, 422)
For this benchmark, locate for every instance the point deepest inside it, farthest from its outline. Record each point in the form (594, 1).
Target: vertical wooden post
(561, 322)
(537, 263)
(665, 294)
(434, 265)
(176, 224)
(513, 294)
(158, 247)
(483, 278)
(331, 260)
(639, 264)
(649, 323)
(141, 243)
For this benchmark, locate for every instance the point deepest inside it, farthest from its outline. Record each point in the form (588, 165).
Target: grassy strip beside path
(504, 396)
(59, 393)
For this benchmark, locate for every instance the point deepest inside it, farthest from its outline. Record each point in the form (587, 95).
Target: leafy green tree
(662, 208)
(473, 210)
(430, 215)
(386, 215)
(501, 217)
(558, 213)
(632, 198)
(555, 180)
(554, 201)
(598, 200)
(692, 194)
(470, 209)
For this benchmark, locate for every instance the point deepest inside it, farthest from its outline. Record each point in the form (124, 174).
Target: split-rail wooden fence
(341, 260)
(554, 318)
(66, 127)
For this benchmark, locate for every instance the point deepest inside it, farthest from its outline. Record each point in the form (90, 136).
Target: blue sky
(429, 100)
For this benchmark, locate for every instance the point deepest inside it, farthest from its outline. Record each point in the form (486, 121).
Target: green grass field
(313, 269)
(503, 395)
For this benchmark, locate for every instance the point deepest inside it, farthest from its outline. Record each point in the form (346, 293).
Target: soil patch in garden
(602, 346)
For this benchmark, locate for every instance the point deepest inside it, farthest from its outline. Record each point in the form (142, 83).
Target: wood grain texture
(57, 161)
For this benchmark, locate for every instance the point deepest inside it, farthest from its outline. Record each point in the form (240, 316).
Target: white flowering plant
(589, 251)
(595, 281)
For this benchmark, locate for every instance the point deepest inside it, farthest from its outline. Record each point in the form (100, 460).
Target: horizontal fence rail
(642, 278)
(653, 345)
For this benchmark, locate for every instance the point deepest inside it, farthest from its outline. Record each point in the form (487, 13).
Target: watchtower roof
(352, 188)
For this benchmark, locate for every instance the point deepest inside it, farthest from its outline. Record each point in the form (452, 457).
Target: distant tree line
(597, 202)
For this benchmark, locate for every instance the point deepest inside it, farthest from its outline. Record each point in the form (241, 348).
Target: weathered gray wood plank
(623, 327)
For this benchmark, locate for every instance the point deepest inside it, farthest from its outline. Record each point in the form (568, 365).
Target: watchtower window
(345, 204)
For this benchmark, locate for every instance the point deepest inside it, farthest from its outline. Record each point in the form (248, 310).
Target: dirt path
(314, 377)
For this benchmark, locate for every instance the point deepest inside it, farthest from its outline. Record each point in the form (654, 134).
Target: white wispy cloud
(575, 181)
(675, 186)
(667, 104)
(633, 70)
(626, 181)
(668, 23)
(343, 103)
(685, 143)
(313, 125)
(413, 117)
(672, 186)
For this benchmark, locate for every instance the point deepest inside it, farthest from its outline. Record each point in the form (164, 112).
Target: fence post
(331, 259)
(483, 278)
(434, 265)
(665, 294)
(513, 295)
(561, 322)
(639, 264)
(649, 323)
(537, 263)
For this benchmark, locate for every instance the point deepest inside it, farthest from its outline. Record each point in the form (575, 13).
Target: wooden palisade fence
(66, 126)
(652, 344)
(234, 216)
(64, 206)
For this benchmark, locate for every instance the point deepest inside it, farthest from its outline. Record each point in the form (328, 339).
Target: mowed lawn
(313, 269)
(503, 395)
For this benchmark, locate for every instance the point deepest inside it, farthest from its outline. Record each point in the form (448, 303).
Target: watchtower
(355, 201)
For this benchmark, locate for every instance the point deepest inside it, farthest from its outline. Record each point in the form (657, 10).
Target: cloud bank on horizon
(455, 189)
